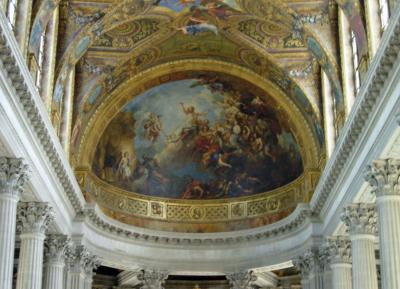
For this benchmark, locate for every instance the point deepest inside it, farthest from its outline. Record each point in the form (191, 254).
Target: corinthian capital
(240, 280)
(313, 260)
(81, 260)
(13, 175)
(153, 279)
(339, 249)
(34, 217)
(360, 218)
(55, 247)
(383, 176)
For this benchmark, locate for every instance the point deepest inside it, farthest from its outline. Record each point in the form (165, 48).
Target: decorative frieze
(360, 218)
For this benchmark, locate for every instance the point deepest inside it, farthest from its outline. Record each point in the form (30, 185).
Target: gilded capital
(240, 280)
(34, 217)
(360, 218)
(13, 175)
(153, 279)
(383, 176)
(339, 249)
(55, 247)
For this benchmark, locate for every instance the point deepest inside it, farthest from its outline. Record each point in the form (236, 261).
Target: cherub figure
(152, 127)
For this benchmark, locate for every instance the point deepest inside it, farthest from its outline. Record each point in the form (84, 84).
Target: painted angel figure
(124, 169)
(152, 127)
(200, 26)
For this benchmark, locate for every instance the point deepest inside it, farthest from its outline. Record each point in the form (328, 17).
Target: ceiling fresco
(208, 137)
(203, 112)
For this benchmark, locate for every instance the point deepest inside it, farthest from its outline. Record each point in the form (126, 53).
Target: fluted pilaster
(81, 264)
(33, 220)
(383, 176)
(13, 175)
(340, 258)
(361, 222)
(153, 279)
(55, 249)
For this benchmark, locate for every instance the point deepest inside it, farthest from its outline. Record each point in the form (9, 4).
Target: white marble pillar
(324, 260)
(329, 119)
(346, 58)
(383, 176)
(303, 264)
(237, 280)
(361, 222)
(311, 268)
(373, 25)
(340, 259)
(55, 249)
(81, 264)
(33, 219)
(13, 175)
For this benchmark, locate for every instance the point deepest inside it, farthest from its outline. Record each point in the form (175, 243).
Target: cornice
(364, 107)
(28, 100)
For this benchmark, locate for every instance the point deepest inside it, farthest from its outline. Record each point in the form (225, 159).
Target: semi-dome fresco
(207, 137)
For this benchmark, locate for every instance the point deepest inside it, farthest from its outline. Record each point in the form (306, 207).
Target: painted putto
(207, 137)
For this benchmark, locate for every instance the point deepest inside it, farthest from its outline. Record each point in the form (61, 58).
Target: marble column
(55, 250)
(153, 279)
(324, 261)
(312, 271)
(346, 57)
(383, 176)
(329, 118)
(81, 264)
(240, 280)
(340, 259)
(361, 222)
(33, 219)
(373, 25)
(13, 175)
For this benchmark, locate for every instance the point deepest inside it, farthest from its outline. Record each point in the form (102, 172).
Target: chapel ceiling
(197, 116)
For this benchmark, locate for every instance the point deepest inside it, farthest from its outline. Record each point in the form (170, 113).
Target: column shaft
(373, 25)
(346, 57)
(305, 284)
(389, 233)
(54, 275)
(75, 281)
(329, 120)
(341, 276)
(8, 215)
(30, 265)
(364, 263)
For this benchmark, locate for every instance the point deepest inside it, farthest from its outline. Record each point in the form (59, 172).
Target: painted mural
(214, 7)
(207, 137)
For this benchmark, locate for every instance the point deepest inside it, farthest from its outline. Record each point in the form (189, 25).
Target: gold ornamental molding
(198, 211)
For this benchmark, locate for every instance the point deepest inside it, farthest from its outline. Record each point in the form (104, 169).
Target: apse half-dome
(207, 137)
